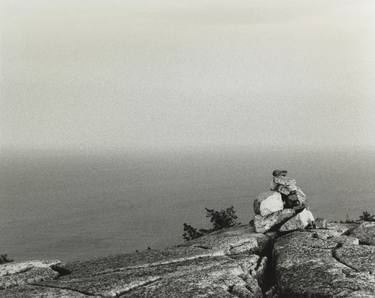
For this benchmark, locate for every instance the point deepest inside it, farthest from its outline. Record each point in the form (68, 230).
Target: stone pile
(283, 208)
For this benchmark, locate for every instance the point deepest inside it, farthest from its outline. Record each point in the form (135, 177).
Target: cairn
(283, 208)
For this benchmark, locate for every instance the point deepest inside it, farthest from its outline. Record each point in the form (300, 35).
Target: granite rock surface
(312, 263)
(234, 262)
(227, 263)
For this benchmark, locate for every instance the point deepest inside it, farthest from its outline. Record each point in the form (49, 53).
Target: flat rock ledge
(235, 262)
(227, 263)
(324, 263)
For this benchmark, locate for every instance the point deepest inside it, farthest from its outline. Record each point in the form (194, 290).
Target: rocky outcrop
(365, 232)
(324, 263)
(284, 208)
(16, 274)
(235, 262)
(286, 253)
(227, 263)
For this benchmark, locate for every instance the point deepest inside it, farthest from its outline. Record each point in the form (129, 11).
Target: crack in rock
(64, 288)
(161, 263)
(337, 258)
(119, 293)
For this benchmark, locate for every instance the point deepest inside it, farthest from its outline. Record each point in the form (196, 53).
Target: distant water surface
(78, 207)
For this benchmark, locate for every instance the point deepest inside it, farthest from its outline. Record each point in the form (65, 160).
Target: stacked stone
(283, 208)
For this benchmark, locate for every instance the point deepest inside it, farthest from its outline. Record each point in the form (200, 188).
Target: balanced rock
(365, 233)
(286, 181)
(300, 221)
(263, 224)
(268, 202)
(284, 190)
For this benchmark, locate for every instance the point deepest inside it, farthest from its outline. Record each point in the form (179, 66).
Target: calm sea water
(77, 207)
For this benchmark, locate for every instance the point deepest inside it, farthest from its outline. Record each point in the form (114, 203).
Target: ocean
(76, 206)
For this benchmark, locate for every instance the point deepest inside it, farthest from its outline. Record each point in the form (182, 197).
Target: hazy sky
(187, 73)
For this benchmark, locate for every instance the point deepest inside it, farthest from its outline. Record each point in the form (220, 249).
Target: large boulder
(300, 221)
(263, 224)
(365, 232)
(268, 202)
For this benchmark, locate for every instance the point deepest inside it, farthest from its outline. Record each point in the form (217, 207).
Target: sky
(187, 74)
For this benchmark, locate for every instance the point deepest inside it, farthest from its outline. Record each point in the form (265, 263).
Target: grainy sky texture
(187, 74)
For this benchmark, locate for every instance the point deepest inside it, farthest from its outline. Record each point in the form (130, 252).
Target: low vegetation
(4, 259)
(367, 216)
(224, 218)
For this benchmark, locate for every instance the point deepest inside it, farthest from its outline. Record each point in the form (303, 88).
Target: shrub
(191, 233)
(4, 259)
(220, 219)
(367, 216)
(223, 218)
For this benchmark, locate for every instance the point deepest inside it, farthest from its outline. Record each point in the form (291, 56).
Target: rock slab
(263, 224)
(307, 265)
(226, 263)
(267, 203)
(300, 221)
(365, 232)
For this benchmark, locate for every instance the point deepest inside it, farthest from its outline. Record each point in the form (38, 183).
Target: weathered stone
(358, 257)
(260, 273)
(226, 263)
(216, 265)
(365, 232)
(296, 200)
(335, 231)
(338, 228)
(307, 266)
(301, 196)
(286, 185)
(267, 203)
(240, 239)
(277, 172)
(263, 224)
(343, 239)
(31, 291)
(273, 186)
(321, 223)
(272, 293)
(204, 276)
(286, 181)
(244, 292)
(284, 190)
(22, 273)
(19, 267)
(300, 221)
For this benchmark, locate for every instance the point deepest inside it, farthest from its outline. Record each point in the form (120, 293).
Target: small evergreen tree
(191, 233)
(367, 216)
(4, 259)
(223, 218)
(220, 219)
